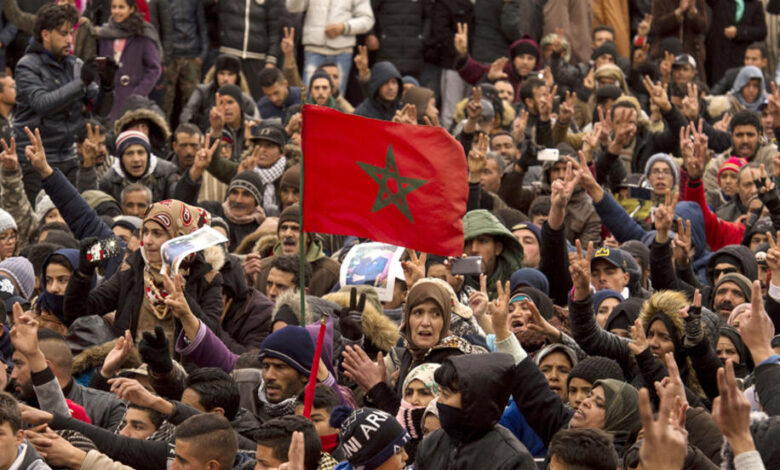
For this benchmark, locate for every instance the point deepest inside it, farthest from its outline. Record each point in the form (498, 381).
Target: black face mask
(740, 370)
(451, 421)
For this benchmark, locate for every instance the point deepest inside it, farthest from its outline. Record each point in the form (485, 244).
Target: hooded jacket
(746, 74)
(481, 222)
(372, 107)
(139, 108)
(324, 275)
(160, 176)
(486, 382)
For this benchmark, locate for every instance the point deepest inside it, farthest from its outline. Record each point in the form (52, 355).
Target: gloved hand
(107, 73)
(351, 318)
(154, 350)
(89, 72)
(86, 268)
(693, 331)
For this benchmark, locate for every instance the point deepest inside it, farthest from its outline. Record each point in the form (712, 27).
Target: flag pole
(315, 364)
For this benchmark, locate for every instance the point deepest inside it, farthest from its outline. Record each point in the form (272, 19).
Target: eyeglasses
(717, 272)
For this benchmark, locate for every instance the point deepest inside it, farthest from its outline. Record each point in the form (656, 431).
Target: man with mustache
(731, 290)
(325, 271)
(746, 142)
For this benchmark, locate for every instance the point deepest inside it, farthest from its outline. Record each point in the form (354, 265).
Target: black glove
(89, 72)
(351, 319)
(693, 331)
(107, 72)
(86, 268)
(154, 350)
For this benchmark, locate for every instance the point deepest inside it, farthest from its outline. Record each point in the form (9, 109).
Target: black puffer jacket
(51, 98)
(371, 107)
(498, 24)
(256, 37)
(160, 17)
(190, 33)
(486, 380)
(399, 27)
(445, 16)
(124, 292)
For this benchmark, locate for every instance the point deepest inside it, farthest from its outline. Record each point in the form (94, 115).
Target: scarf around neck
(114, 30)
(258, 216)
(275, 410)
(268, 176)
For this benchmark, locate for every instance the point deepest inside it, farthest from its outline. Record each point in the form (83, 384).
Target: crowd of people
(622, 203)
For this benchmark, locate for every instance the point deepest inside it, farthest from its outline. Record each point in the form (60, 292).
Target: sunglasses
(717, 272)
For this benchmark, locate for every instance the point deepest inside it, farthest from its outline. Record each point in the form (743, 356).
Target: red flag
(394, 183)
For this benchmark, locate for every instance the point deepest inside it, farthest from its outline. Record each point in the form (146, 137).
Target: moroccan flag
(394, 183)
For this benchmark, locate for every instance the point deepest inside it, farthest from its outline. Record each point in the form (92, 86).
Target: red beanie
(732, 164)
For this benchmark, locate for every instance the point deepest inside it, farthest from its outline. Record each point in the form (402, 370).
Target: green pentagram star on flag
(404, 185)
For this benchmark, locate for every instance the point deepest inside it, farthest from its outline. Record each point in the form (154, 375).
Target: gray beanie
(666, 159)
(43, 204)
(6, 221)
(21, 271)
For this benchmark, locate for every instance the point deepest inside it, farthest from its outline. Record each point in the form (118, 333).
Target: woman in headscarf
(419, 389)
(135, 46)
(748, 91)
(137, 291)
(425, 328)
(57, 270)
(731, 346)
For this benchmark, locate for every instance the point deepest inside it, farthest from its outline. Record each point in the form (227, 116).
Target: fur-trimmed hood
(159, 130)
(93, 358)
(377, 326)
(292, 298)
(667, 302)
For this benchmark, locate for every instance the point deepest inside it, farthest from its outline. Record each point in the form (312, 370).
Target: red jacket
(719, 232)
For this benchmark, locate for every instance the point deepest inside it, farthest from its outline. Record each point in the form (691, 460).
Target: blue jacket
(269, 110)
(82, 220)
(624, 228)
(514, 420)
(50, 97)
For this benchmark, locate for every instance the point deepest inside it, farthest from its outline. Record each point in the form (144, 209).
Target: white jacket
(357, 16)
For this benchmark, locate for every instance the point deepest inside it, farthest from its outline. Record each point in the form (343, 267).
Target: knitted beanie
(368, 437)
(128, 138)
(290, 214)
(608, 47)
(525, 45)
(21, 271)
(533, 228)
(320, 74)
(291, 344)
(663, 157)
(744, 284)
(732, 164)
(6, 221)
(595, 368)
(43, 204)
(232, 91)
(604, 294)
(291, 178)
(250, 181)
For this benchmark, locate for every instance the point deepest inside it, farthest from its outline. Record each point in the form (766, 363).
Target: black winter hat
(595, 368)
(368, 437)
(608, 47)
(229, 63)
(232, 91)
(250, 181)
(320, 74)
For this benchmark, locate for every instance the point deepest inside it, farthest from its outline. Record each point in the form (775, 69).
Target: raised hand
(155, 351)
(731, 411)
(118, 355)
(295, 454)
(406, 115)
(477, 159)
(664, 217)
(216, 117)
(665, 442)
(682, 244)
(672, 386)
(624, 130)
(519, 125)
(474, 106)
(414, 269)
(361, 62)
(730, 32)
(579, 270)
(586, 179)
(24, 334)
(90, 148)
(590, 80)
(498, 310)
(557, 45)
(131, 390)
(36, 154)
(658, 94)
(690, 104)
(175, 299)
(536, 322)
(478, 303)
(640, 56)
(773, 257)
(638, 341)
(562, 190)
(723, 124)
(203, 157)
(764, 183)
(351, 318)
(288, 42)
(665, 67)
(566, 109)
(461, 40)
(496, 70)
(773, 103)
(756, 328)
(361, 369)
(643, 28)
(9, 159)
(545, 105)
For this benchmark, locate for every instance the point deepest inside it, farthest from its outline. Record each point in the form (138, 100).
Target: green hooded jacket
(482, 222)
